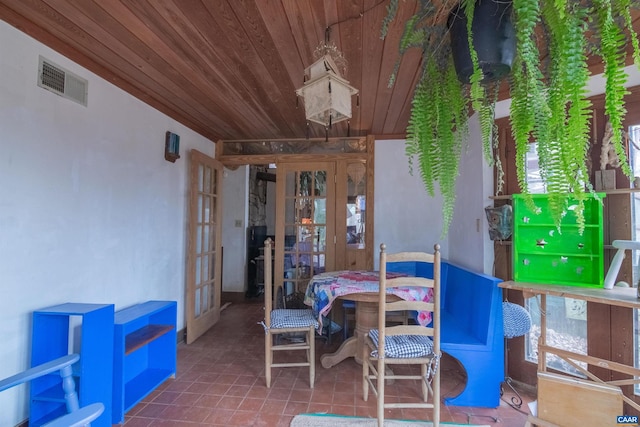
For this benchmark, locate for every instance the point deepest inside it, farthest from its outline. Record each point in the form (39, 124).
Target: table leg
(366, 319)
(346, 349)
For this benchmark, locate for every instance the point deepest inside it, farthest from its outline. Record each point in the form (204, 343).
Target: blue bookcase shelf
(54, 330)
(145, 352)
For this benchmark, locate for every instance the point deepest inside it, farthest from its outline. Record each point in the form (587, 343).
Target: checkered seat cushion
(403, 346)
(292, 318)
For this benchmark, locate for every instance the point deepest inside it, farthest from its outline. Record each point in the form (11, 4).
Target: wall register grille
(62, 82)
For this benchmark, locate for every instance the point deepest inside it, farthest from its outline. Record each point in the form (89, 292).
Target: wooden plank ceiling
(228, 69)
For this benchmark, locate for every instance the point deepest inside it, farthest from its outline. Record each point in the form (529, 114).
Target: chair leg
(312, 356)
(268, 354)
(381, 375)
(423, 383)
(435, 386)
(365, 374)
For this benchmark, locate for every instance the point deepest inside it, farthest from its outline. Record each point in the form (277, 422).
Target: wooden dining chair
(405, 344)
(76, 416)
(284, 328)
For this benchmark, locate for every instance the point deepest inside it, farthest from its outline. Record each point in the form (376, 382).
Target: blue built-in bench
(472, 329)
(472, 332)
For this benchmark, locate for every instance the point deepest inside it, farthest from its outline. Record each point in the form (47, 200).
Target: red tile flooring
(220, 382)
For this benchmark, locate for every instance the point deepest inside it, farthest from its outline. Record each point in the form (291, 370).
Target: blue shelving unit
(145, 352)
(90, 325)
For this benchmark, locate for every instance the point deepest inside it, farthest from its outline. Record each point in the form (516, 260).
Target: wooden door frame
(343, 259)
(232, 155)
(282, 169)
(195, 327)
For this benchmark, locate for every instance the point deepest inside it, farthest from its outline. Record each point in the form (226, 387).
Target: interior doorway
(260, 224)
(335, 196)
(351, 225)
(305, 224)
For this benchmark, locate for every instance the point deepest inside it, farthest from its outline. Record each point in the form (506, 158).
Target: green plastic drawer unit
(542, 254)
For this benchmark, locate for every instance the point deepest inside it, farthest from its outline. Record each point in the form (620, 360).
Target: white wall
(234, 241)
(595, 86)
(469, 242)
(89, 209)
(406, 217)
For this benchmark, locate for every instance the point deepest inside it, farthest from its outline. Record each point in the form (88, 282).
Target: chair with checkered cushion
(405, 344)
(286, 330)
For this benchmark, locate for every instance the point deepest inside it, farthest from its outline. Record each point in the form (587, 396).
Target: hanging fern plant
(437, 129)
(549, 101)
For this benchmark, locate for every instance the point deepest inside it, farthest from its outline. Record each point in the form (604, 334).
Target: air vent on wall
(62, 82)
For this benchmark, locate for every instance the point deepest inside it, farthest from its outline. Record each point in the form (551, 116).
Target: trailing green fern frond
(480, 102)
(612, 52)
(577, 128)
(392, 10)
(412, 36)
(437, 127)
(624, 9)
(549, 103)
(529, 110)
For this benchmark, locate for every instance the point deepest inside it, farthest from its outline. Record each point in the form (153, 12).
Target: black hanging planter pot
(493, 38)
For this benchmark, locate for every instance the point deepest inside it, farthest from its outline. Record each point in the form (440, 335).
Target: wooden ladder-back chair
(405, 344)
(75, 416)
(286, 324)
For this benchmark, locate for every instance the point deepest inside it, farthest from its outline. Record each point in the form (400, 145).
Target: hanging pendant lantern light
(326, 94)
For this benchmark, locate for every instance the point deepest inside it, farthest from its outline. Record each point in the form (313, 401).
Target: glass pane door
(305, 236)
(204, 281)
(352, 252)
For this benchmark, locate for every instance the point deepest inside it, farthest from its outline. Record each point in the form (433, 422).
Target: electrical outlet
(238, 223)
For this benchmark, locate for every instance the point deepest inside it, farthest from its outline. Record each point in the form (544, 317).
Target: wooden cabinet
(88, 330)
(145, 347)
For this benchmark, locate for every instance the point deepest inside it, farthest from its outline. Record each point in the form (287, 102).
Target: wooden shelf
(621, 191)
(615, 191)
(145, 353)
(143, 336)
(503, 242)
(620, 297)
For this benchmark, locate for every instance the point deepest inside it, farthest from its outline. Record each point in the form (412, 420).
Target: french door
(354, 223)
(204, 260)
(305, 224)
(321, 223)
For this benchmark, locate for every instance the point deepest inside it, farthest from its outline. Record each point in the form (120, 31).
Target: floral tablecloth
(324, 288)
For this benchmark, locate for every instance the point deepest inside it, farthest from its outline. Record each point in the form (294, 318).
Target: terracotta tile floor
(220, 382)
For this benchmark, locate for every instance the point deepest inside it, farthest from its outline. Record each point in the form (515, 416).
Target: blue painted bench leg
(485, 373)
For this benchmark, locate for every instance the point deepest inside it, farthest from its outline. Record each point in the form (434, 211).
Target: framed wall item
(171, 147)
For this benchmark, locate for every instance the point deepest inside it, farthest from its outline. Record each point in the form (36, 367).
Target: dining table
(361, 286)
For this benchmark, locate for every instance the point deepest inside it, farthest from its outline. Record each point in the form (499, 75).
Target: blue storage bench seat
(472, 332)
(472, 329)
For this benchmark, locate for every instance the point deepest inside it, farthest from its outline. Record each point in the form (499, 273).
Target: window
(534, 178)
(566, 317)
(634, 154)
(566, 329)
